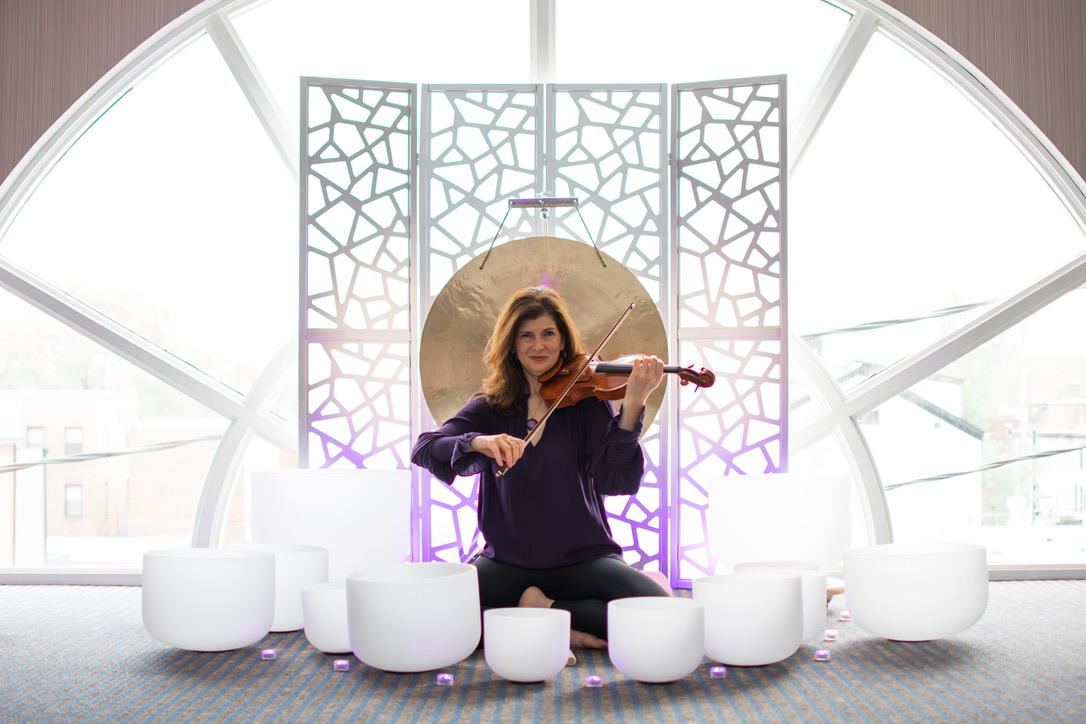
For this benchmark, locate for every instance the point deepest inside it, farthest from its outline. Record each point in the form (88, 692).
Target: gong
(596, 293)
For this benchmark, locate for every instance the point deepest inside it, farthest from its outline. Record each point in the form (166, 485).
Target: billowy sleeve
(446, 451)
(616, 462)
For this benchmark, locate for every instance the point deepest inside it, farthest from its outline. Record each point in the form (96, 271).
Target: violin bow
(572, 381)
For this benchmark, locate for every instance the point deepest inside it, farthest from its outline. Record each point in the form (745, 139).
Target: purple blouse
(547, 510)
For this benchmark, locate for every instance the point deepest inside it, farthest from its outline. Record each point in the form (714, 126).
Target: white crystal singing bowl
(296, 566)
(208, 599)
(526, 644)
(655, 639)
(363, 517)
(413, 617)
(324, 612)
(753, 618)
(812, 589)
(916, 591)
(781, 516)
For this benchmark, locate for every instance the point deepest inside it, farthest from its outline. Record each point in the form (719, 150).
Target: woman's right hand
(505, 449)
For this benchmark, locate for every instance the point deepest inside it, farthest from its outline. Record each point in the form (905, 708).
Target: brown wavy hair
(505, 384)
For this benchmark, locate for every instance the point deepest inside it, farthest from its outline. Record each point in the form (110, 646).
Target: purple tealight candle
(593, 681)
(718, 672)
(829, 634)
(844, 616)
(268, 654)
(341, 665)
(444, 679)
(822, 655)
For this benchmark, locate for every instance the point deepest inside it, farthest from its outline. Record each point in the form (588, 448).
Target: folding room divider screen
(685, 186)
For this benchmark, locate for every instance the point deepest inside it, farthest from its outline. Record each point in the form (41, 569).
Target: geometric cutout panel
(728, 154)
(689, 198)
(358, 195)
(359, 397)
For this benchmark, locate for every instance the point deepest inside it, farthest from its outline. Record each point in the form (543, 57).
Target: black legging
(583, 589)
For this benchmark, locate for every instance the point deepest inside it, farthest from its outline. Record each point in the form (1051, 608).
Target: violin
(605, 380)
(586, 376)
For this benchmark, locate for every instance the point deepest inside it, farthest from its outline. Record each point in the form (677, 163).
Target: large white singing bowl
(655, 639)
(208, 599)
(812, 589)
(526, 645)
(916, 591)
(363, 517)
(324, 611)
(781, 516)
(413, 616)
(296, 566)
(751, 619)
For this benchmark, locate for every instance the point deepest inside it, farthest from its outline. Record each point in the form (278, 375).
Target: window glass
(134, 496)
(408, 41)
(1003, 438)
(909, 210)
(174, 216)
(686, 41)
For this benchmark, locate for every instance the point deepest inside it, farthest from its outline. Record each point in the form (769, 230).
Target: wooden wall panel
(1034, 51)
(52, 51)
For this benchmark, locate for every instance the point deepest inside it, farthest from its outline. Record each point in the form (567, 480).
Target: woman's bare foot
(584, 640)
(534, 598)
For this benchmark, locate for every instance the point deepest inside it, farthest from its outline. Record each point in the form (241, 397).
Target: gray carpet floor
(81, 654)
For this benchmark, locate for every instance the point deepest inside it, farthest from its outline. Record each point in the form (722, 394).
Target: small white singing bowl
(812, 588)
(324, 613)
(753, 618)
(296, 566)
(208, 599)
(414, 617)
(526, 645)
(656, 639)
(916, 591)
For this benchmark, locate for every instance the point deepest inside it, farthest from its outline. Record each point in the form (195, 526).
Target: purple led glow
(593, 681)
(268, 654)
(829, 634)
(444, 679)
(718, 672)
(844, 616)
(822, 655)
(341, 665)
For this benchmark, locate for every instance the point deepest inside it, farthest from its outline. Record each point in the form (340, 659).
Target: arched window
(149, 263)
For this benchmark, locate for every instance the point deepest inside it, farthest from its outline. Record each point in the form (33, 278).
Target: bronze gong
(462, 317)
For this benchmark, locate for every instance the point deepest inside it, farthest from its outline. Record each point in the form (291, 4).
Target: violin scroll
(687, 375)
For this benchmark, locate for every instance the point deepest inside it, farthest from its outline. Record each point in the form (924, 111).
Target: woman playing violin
(548, 543)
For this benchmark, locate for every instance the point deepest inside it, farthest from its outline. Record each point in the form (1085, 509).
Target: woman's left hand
(645, 377)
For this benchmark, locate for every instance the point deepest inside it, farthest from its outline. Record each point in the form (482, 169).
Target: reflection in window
(35, 437)
(73, 440)
(73, 500)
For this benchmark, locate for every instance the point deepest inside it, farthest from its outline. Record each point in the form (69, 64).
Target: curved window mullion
(207, 529)
(819, 382)
(996, 105)
(74, 122)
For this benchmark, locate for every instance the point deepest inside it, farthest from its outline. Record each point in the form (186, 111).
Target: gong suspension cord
(542, 203)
